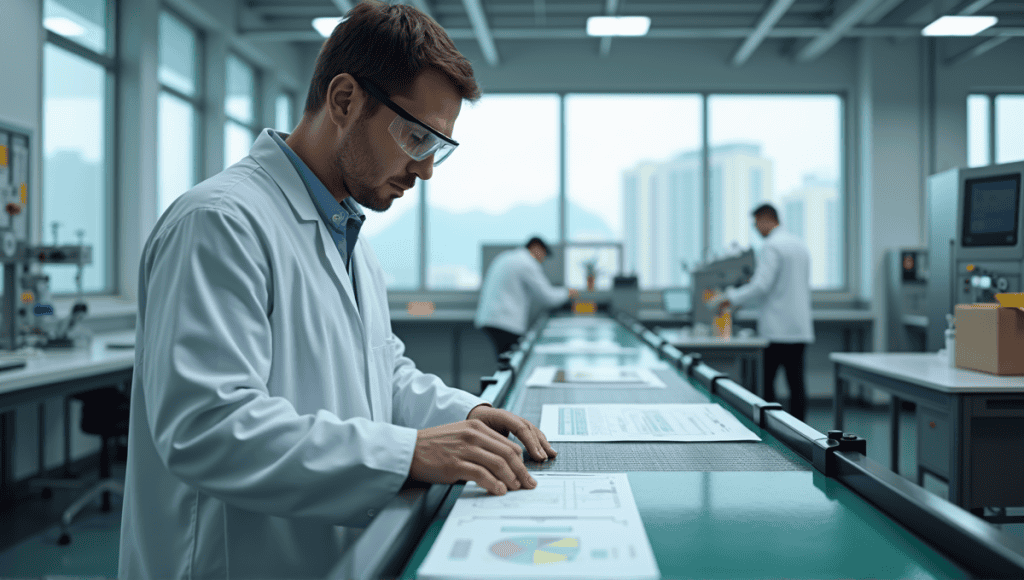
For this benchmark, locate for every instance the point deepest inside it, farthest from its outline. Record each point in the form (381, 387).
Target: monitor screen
(991, 208)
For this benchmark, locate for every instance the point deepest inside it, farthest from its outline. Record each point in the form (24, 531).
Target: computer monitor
(991, 211)
(676, 300)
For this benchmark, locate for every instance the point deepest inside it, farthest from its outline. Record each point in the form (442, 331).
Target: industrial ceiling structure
(811, 26)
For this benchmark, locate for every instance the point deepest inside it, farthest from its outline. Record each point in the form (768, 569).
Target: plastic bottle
(950, 341)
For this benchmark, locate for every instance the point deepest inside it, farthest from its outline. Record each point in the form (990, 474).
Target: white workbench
(59, 373)
(970, 424)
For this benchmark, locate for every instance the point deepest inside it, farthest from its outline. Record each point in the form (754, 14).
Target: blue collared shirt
(343, 220)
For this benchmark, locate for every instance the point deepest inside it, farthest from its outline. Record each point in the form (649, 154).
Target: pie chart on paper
(532, 550)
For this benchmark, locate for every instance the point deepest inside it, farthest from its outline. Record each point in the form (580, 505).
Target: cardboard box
(990, 338)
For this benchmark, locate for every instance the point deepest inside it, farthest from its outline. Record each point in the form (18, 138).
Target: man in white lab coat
(514, 282)
(273, 412)
(782, 285)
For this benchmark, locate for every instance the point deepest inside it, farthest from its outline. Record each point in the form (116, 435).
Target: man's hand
(723, 306)
(473, 450)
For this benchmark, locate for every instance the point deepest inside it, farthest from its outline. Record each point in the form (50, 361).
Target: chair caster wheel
(64, 540)
(47, 493)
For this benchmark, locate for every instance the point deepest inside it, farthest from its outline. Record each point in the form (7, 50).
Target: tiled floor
(28, 552)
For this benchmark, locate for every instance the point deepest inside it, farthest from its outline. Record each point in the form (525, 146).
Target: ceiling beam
(977, 50)
(610, 8)
(881, 11)
(971, 7)
(843, 23)
(482, 30)
(768, 21)
(306, 33)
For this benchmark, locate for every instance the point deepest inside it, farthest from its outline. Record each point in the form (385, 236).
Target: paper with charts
(689, 423)
(581, 346)
(594, 377)
(572, 525)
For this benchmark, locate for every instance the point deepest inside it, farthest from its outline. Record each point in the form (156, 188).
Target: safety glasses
(415, 137)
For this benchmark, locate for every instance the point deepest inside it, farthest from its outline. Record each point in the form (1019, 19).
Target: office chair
(104, 413)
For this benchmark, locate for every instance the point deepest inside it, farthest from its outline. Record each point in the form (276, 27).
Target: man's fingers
(512, 456)
(497, 464)
(536, 445)
(544, 443)
(483, 478)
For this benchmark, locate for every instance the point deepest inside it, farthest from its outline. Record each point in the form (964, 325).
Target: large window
(78, 162)
(395, 237)
(177, 110)
(241, 127)
(500, 186)
(634, 176)
(284, 120)
(995, 129)
(785, 150)
(619, 179)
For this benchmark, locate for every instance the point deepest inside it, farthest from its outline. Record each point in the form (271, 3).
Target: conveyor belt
(658, 456)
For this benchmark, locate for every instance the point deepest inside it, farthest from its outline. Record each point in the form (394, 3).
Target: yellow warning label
(28, 297)
(3, 155)
(24, 193)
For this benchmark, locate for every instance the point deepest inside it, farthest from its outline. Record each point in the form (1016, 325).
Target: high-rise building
(664, 221)
(811, 212)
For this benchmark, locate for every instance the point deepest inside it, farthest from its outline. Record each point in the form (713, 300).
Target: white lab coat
(782, 284)
(267, 408)
(513, 283)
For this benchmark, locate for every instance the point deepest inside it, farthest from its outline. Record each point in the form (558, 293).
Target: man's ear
(345, 100)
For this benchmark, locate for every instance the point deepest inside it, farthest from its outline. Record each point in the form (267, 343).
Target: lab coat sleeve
(205, 365)
(540, 288)
(766, 275)
(422, 400)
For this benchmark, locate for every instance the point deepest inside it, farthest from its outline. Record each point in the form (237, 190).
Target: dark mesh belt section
(656, 456)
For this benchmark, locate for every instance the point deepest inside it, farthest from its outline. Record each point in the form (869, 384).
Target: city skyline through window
(634, 176)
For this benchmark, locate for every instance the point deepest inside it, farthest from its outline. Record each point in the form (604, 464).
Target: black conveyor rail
(968, 539)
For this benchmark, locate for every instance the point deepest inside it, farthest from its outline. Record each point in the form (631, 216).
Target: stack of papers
(580, 346)
(709, 422)
(572, 525)
(595, 378)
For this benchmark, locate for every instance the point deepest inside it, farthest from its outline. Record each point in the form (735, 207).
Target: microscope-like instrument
(27, 314)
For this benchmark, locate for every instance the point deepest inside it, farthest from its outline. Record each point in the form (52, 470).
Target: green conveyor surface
(788, 522)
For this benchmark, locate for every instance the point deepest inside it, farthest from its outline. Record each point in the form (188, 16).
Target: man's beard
(354, 167)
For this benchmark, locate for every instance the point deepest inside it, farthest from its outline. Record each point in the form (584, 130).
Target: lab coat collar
(269, 155)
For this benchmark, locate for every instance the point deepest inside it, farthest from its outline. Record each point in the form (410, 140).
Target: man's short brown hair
(389, 44)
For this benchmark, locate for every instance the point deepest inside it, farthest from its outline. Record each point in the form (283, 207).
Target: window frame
(846, 293)
(991, 121)
(197, 101)
(256, 125)
(108, 61)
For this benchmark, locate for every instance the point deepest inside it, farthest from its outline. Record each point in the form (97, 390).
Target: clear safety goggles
(415, 137)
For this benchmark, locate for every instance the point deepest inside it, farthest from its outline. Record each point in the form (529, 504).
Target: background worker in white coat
(782, 285)
(273, 410)
(514, 283)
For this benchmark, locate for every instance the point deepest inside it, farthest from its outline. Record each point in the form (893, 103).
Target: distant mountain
(455, 238)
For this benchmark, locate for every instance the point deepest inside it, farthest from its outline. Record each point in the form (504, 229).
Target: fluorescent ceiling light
(618, 25)
(64, 26)
(325, 26)
(959, 25)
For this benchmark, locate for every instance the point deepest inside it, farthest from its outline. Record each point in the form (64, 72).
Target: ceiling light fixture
(959, 25)
(618, 25)
(326, 25)
(63, 26)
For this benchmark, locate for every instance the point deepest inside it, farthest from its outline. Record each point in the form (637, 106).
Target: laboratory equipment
(974, 236)
(26, 312)
(714, 277)
(906, 299)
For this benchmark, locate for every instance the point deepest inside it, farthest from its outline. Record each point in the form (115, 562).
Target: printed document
(572, 525)
(708, 422)
(606, 377)
(582, 346)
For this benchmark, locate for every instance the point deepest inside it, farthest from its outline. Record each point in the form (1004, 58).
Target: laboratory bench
(970, 425)
(107, 360)
(798, 503)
